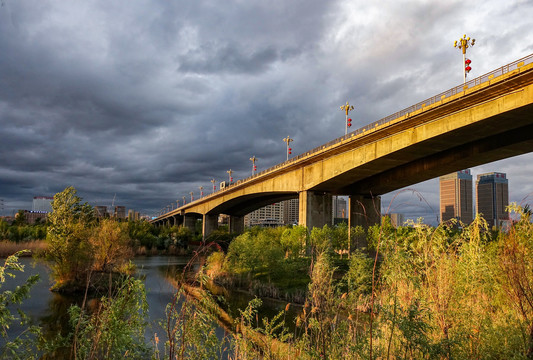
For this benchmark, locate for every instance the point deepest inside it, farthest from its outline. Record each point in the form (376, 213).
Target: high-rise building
(396, 219)
(291, 211)
(42, 203)
(492, 191)
(268, 215)
(339, 207)
(456, 197)
(120, 212)
(101, 211)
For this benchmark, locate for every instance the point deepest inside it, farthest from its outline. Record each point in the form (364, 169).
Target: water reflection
(50, 310)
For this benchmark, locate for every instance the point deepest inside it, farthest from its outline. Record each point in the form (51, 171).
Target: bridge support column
(315, 209)
(189, 222)
(364, 210)
(209, 224)
(236, 224)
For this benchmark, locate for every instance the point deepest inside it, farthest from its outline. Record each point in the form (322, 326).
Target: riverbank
(8, 248)
(243, 333)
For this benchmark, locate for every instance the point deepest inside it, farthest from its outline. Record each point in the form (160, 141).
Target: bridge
(487, 119)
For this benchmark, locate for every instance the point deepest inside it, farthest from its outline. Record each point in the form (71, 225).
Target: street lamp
(463, 44)
(184, 200)
(229, 175)
(192, 196)
(288, 141)
(347, 108)
(254, 168)
(177, 203)
(213, 181)
(201, 191)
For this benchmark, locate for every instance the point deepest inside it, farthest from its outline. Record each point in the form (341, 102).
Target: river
(49, 310)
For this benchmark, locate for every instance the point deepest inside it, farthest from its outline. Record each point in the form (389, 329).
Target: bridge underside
(246, 204)
(499, 137)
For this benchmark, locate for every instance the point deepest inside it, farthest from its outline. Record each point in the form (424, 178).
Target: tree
(111, 245)
(68, 232)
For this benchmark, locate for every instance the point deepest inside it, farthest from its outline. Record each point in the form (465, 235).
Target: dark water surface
(49, 310)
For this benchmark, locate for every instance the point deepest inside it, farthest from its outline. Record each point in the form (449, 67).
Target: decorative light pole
(463, 44)
(254, 168)
(213, 181)
(201, 191)
(347, 108)
(177, 203)
(192, 196)
(229, 175)
(184, 200)
(288, 141)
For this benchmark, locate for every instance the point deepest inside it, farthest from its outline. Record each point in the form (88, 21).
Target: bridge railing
(432, 100)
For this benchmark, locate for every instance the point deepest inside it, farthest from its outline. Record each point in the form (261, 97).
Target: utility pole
(254, 168)
(347, 108)
(230, 178)
(463, 44)
(288, 140)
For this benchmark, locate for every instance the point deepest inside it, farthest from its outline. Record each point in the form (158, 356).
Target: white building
(42, 204)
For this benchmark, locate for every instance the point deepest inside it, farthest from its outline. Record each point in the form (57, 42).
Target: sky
(145, 101)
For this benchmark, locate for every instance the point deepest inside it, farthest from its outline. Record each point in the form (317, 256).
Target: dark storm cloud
(149, 100)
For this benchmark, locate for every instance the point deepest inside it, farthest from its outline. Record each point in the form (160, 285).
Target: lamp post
(184, 200)
(288, 141)
(213, 181)
(347, 108)
(177, 203)
(254, 168)
(201, 191)
(192, 196)
(229, 175)
(463, 44)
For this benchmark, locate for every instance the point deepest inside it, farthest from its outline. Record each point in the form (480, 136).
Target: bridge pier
(364, 210)
(209, 224)
(189, 221)
(315, 209)
(236, 224)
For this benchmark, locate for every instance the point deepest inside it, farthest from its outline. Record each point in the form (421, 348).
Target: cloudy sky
(148, 100)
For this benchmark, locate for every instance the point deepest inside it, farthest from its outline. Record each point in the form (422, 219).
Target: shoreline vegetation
(413, 292)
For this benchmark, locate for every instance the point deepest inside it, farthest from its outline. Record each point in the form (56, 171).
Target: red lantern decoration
(467, 67)
(349, 122)
(255, 168)
(290, 151)
(231, 179)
